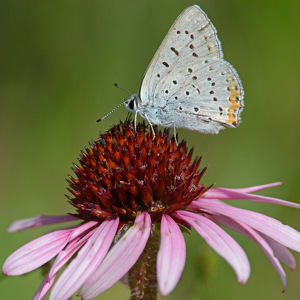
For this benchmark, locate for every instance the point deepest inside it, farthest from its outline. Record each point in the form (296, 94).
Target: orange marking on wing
(234, 95)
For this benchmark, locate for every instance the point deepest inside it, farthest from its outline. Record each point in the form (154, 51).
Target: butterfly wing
(189, 81)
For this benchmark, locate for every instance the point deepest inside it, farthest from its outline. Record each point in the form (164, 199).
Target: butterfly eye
(131, 104)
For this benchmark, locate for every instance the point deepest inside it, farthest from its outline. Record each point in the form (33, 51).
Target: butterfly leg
(150, 125)
(135, 119)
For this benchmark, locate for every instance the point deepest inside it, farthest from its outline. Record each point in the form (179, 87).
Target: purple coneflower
(131, 193)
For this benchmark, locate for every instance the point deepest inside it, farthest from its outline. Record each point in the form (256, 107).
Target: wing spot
(196, 109)
(195, 54)
(206, 61)
(190, 70)
(175, 51)
(208, 79)
(237, 98)
(166, 91)
(158, 75)
(210, 119)
(211, 68)
(174, 81)
(187, 93)
(215, 99)
(176, 98)
(206, 37)
(178, 32)
(192, 36)
(195, 77)
(211, 92)
(165, 64)
(222, 73)
(180, 107)
(186, 32)
(192, 46)
(213, 83)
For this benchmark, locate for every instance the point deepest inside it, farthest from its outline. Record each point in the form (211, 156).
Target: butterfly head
(132, 103)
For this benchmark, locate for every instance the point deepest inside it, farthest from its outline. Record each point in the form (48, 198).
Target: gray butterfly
(188, 84)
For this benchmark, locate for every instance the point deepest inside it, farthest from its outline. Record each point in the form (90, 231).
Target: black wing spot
(215, 99)
(190, 70)
(180, 108)
(195, 54)
(165, 64)
(195, 77)
(192, 46)
(174, 81)
(158, 75)
(187, 93)
(176, 98)
(166, 91)
(213, 83)
(175, 51)
(206, 61)
(186, 32)
(196, 109)
(211, 92)
(208, 79)
(178, 32)
(192, 36)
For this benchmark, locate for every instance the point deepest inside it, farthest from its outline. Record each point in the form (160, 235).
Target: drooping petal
(240, 194)
(61, 259)
(281, 252)
(255, 236)
(86, 261)
(171, 255)
(273, 228)
(44, 288)
(119, 259)
(220, 241)
(80, 238)
(37, 221)
(36, 253)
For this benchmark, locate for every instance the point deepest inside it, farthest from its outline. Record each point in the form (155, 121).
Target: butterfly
(188, 84)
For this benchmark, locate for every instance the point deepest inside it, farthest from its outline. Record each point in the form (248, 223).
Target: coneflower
(133, 194)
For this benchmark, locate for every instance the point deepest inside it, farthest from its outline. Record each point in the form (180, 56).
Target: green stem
(142, 277)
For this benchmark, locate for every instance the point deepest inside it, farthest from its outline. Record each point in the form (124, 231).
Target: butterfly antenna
(99, 120)
(117, 86)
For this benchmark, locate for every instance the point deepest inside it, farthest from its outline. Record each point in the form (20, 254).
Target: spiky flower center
(127, 171)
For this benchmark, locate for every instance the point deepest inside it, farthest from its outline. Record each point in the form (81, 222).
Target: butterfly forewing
(191, 38)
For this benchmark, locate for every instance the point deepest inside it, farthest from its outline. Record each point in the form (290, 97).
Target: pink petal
(283, 234)
(36, 253)
(44, 288)
(120, 258)
(86, 261)
(252, 234)
(171, 255)
(257, 188)
(238, 194)
(281, 252)
(220, 241)
(37, 221)
(61, 259)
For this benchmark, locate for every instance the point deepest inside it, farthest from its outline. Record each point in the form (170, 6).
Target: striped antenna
(99, 120)
(117, 86)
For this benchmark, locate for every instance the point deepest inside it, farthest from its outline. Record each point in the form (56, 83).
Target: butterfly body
(188, 84)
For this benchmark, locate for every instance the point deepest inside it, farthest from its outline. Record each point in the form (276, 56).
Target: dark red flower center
(127, 171)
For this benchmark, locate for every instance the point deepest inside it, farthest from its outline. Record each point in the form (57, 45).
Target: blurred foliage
(59, 61)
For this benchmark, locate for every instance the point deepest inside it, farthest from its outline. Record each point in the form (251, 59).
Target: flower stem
(142, 277)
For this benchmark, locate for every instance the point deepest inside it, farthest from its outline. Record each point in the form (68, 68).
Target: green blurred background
(59, 61)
